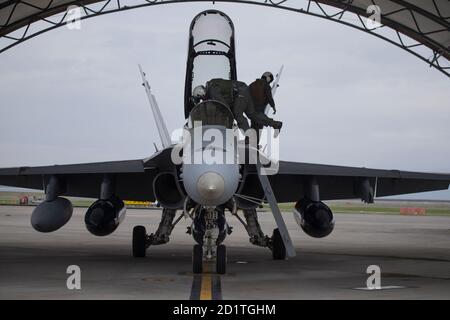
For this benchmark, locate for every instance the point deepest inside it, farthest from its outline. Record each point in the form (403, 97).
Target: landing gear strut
(257, 237)
(254, 230)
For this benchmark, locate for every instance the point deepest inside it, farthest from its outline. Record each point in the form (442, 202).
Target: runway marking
(196, 287)
(206, 286)
(216, 288)
(205, 292)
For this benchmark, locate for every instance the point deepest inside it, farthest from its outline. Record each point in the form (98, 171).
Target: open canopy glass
(211, 52)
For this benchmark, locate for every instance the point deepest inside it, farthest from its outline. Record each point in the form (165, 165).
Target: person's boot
(277, 126)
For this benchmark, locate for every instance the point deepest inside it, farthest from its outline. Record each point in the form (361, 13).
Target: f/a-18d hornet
(184, 177)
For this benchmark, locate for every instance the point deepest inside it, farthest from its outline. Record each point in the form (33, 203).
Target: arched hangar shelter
(421, 27)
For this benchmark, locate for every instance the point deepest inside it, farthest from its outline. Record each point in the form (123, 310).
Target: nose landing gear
(197, 259)
(209, 230)
(220, 259)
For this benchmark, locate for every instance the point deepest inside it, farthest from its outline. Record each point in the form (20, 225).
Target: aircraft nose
(211, 186)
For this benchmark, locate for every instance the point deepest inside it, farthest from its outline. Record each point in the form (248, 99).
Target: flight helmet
(268, 76)
(199, 92)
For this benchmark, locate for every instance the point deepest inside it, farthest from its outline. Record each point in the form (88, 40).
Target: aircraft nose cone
(211, 185)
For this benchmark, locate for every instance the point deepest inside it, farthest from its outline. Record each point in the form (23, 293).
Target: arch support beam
(418, 27)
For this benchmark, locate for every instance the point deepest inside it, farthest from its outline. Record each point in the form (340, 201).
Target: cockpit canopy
(211, 52)
(212, 113)
(211, 43)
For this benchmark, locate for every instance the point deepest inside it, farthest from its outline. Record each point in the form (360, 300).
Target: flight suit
(234, 94)
(261, 94)
(220, 90)
(243, 103)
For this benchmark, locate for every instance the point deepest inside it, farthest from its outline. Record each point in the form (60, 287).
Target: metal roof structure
(421, 27)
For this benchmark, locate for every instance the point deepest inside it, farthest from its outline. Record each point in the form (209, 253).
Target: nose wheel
(221, 259)
(197, 259)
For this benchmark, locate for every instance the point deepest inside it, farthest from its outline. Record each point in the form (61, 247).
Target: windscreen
(212, 113)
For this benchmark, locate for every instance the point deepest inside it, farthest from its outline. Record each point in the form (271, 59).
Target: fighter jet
(183, 179)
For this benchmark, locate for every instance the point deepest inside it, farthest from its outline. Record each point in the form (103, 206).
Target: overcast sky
(346, 97)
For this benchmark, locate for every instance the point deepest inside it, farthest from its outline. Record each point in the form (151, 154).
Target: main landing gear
(277, 246)
(141, 241)
(209, 229)
(257, 237)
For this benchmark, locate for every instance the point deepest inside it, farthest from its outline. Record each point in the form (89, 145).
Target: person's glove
(274, 110)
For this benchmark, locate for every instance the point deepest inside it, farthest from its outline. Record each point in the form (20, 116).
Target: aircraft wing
(133, 178)
(338, 182)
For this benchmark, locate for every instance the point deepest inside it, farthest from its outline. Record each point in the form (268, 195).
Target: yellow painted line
(137, 203)
(206, 289)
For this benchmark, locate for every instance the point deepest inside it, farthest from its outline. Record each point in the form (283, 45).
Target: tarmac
(412, 252)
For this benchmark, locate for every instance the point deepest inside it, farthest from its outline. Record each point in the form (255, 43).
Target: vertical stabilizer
(160, 124)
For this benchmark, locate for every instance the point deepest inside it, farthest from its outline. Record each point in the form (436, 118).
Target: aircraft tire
(221, 259)
(278, 248)
(197, 259)
(139, 242)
